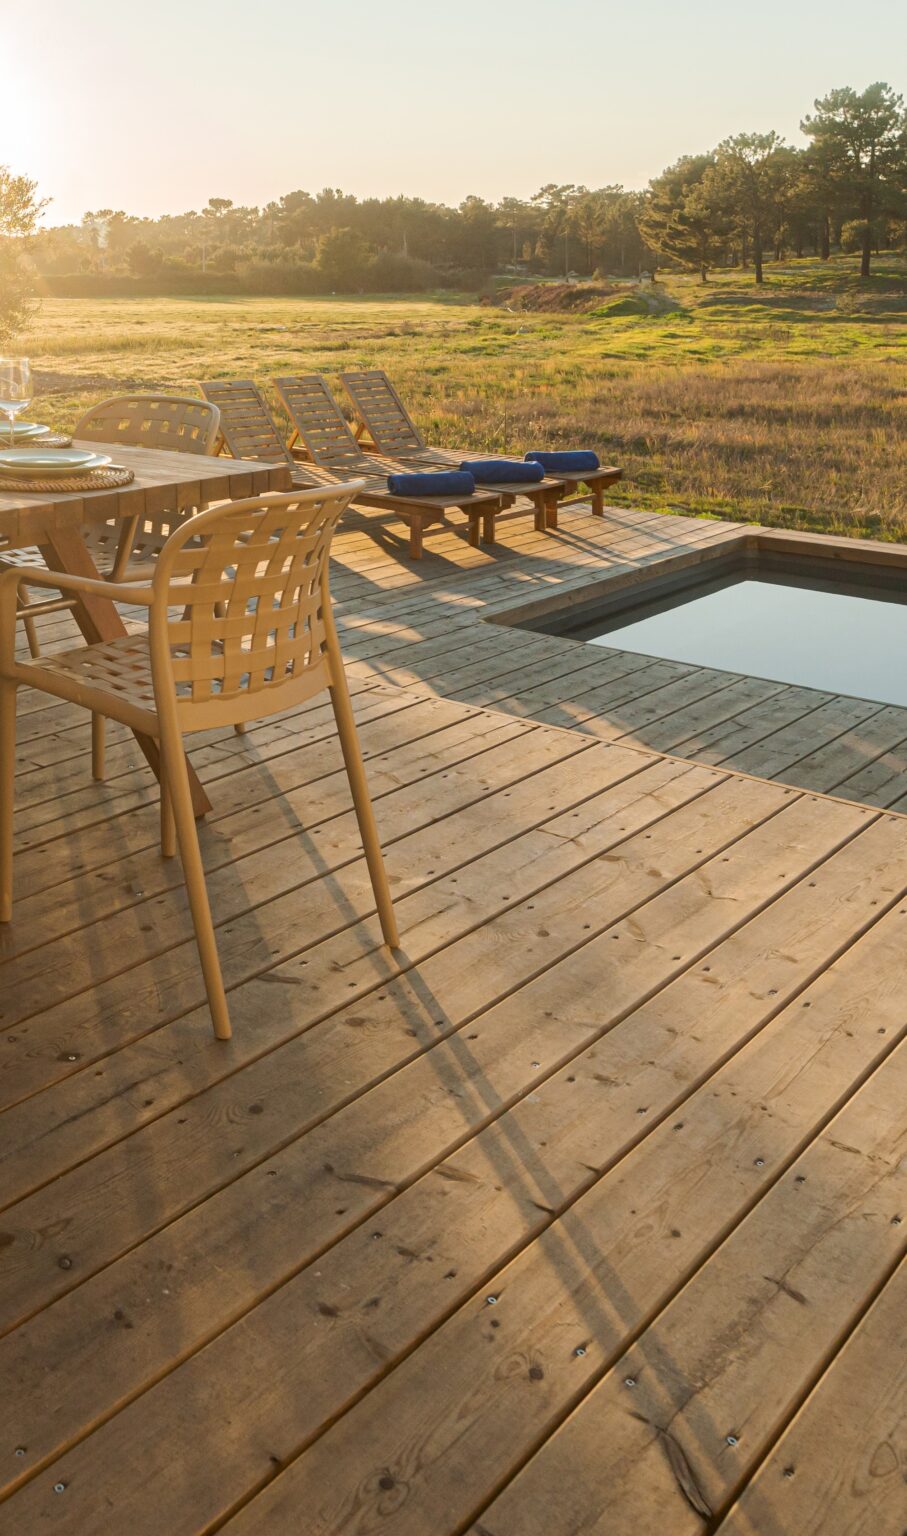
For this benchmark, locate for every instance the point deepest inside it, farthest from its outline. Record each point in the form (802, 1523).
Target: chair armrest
(62, 581)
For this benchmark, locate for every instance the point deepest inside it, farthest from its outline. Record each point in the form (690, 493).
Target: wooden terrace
(584, 1212)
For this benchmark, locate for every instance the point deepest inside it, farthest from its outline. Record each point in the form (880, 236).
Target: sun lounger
(250, 432)
(328, 443)
(385, 425)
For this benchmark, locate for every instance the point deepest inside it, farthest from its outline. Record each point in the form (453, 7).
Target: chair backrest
(246, 424)
(241, 623)
(382, 413)
(181, 423)
(321, 425)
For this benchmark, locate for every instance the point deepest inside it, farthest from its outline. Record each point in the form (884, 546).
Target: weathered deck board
(679, 1419)
(839, 1468)
(638, 999)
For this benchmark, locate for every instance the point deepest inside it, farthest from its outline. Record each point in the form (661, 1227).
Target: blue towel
(503, 471)
(570, 463)
(448, 482)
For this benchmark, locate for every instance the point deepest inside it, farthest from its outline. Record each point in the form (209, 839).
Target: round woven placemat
(49, 440)
(94, 480)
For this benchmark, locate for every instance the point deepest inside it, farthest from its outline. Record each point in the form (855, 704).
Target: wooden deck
(584, 1213)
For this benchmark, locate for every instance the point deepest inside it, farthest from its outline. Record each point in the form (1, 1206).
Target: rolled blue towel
(448, 482)
(571, 462)
(503, 471)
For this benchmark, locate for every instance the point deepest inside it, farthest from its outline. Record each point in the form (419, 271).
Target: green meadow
(785, 405)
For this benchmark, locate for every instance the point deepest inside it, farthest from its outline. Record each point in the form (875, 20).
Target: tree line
(751, 197)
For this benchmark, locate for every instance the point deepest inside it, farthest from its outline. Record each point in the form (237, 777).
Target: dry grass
(789, 407)
(804, 445)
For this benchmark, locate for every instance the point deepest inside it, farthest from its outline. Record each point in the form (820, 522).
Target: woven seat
(117, 671)
(240, 627)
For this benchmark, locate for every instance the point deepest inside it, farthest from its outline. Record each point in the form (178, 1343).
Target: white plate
(50, 461)
(24, 431)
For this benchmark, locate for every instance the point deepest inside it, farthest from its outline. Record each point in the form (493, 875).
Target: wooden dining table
(163, 483)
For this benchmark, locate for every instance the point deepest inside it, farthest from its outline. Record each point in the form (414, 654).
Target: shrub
(392, 272)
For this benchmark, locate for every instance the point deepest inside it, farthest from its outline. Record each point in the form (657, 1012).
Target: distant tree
(144, 260)
(520, 220)
(861, 140)
(821, 191)
(588, 222)
(622, 244)
(554, 203)
(341, 259)
(745, 185)
(679, 222)
(786, 183)
(19, 212)
(477, 234)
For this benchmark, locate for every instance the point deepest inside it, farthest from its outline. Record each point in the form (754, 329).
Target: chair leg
(240, 727)
(415, 539)
(180, 797)
(168, 825)
(98, 743)
(352, 757)
(31, 635)
(598, 499)
(7, 788)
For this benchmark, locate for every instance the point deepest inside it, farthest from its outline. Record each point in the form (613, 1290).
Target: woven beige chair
(173, 423)
(240, 627)
(126, 548)
(384, 425)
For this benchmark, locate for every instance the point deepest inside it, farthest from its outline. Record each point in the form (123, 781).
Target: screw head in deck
(731, 1439)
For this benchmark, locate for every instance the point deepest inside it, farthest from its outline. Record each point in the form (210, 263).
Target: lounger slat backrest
(180, 423)
(320, 423)
(381, 411)
(247, 426)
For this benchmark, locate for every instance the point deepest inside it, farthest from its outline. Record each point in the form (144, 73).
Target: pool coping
(749, 541)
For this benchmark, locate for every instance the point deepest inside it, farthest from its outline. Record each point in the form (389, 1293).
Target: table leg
(64, 549)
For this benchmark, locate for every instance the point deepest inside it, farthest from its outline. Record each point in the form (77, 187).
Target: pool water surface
(814, 635)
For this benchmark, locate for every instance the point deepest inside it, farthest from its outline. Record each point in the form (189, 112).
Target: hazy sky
(155, 107)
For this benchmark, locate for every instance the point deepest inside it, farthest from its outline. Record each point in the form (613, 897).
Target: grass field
(787, 406)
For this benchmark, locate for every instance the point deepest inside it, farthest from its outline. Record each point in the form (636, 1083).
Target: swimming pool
(838, 625)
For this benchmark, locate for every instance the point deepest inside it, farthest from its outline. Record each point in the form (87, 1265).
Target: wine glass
(15, 390)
